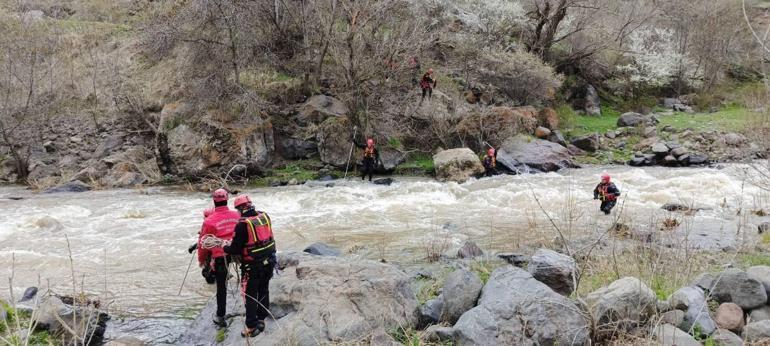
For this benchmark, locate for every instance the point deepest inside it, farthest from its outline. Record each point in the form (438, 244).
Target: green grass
(301, 171)
(754, 259)
(428, 289)
(416, 164)
(221, 336)
(411, 337)
(584, 125)
(733, 118)
(24, 319)
(483, 269)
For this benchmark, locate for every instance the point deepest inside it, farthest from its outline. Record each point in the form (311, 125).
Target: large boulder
(593, 105)
(457, 165)
(460, 293)
(320, 107)
(736, 286)
(196, 148)
(516, 309)
(469, 250)
(625, 304)
(760, 314)
(669, 335)
(334, 142)
(634, 119)
(295, 148)
(321, 249)
(757, 332)
(522, 153)
(692, 301)
(390, 158)
(556, 270)
(321, 300)
(430, 312)
(588, 143)
(59, 318)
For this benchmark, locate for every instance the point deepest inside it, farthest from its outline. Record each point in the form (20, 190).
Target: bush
(496, 124)
(520, 76)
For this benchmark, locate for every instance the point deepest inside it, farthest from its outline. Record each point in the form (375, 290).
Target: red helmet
(491, 151)
(207, 212)
(605, 178)
(370, 142)
(219, 195)
(242, 200)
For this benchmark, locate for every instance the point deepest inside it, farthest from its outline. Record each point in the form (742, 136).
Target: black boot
(220, 322)
(261, 325)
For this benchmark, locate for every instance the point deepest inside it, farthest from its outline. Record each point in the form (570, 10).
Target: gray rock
(684, 159)
(460, 293)
(683, 108)
(611, 134)
(380, 337)
(623, 305)
(724, 337)
(698, 159)
(29, 293)
(72, 186)
(556, 270)
(557, 138)
(295, 148)
(757, 331)
(669, 335)
(541, 316)
(679, 151)
(457, 165)
(542, 132)
(318, 108)
(439, 334)
(125, 341)
(649, 132)
(390, 159)
(761, 274)
(588, 143)
(670, 102)
(673, 317)
(692, 301)
(672, 206)
(333, 138)
(659, 149)
(734, 285)
(522, 153)
(108, 145)
(321, 249)
(638, 161)
(670, 160)
(734, 139)
(430, 312)
(384, 181)
(575, 151)
(763, 227)
(469, 250)
(593, 104)
(760, 314)
(49, 146)
(632, 119)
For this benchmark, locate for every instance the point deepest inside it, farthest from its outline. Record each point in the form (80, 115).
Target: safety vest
(369, 153)
(260, 242)
(605, 196)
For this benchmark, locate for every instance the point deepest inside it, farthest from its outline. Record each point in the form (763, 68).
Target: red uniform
(220, 224)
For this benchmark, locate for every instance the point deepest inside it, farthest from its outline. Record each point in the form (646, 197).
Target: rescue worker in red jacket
(219, 224)
(608, 193)
(371, 158)
(427, 83)
(490, 162)
(254, 242)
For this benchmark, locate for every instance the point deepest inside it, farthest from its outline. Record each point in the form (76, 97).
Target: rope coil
(210, 241)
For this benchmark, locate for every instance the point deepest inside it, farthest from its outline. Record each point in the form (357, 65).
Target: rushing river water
(131, 244)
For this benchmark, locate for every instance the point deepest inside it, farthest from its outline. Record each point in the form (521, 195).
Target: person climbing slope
(608, 193)
(427, 84)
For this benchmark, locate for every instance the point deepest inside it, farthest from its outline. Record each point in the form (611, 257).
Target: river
(130, 245)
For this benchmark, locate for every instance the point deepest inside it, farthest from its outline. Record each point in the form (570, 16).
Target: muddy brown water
(130, 245)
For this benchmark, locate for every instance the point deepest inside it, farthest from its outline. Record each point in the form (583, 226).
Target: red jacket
(221, 224)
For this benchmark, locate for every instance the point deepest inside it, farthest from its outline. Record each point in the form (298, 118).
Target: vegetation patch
(416, 164)
(732, 118)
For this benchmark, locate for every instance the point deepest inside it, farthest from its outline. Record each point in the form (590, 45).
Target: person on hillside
(427, 83)
(490, 162)
(219, 224)
(608, 193)
(370, 160)
(254, 242)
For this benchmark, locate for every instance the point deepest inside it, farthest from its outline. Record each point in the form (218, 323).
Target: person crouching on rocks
(254, 242)
(219, 224)
(608, 193)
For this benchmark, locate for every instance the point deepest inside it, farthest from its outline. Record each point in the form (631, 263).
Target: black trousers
(607, 206)
(368, 168)
(220, 274)
(490, 172)
(428, 91)
(255, 284)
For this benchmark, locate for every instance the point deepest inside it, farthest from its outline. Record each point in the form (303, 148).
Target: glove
(192, 248)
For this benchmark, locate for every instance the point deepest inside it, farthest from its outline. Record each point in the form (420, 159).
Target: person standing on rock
(427, 83)
(370, 160)
(254, 242)
(608, 193)
(490, 162)
(219, 224)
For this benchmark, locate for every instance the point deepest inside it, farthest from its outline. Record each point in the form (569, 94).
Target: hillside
(120, 93)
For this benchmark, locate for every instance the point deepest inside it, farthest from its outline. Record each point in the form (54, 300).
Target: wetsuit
(257, 264)
(490, 165)
(219, 224)
(370, 160)
(608, 193)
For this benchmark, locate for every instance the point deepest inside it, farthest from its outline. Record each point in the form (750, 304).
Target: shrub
(520, 76)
